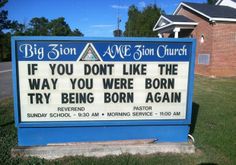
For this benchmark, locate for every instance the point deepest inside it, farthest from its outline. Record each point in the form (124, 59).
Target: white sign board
(94, 81)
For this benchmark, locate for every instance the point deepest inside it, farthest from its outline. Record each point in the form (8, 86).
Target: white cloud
(119, 6)
(142, 4)
(102, 26)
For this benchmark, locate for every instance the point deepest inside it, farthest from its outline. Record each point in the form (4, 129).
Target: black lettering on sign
(32, 68)
(115, 114)
(39, 98)
(142, 114)
(41, 84)
(56, 115)
(120, 97)
(81, 83)
(134, 69)
(117, 83)
(160, 83)
(61, 69)
(95, 114)
(176, 114)
(75, 98)
(171, 97)
(98, 69)
(36, 115)
(168, 69)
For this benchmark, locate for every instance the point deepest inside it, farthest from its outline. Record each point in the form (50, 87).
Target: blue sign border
(15, 77)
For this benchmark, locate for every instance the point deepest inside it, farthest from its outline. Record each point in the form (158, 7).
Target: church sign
(71, 89)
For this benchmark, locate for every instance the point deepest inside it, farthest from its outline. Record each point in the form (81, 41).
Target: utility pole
(118, 22)
(118, 32)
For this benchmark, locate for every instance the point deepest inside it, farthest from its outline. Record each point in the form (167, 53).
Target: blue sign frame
(42, 133)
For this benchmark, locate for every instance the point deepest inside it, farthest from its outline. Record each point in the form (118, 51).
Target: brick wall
(224, 49)
(203, 28)
(219, 42)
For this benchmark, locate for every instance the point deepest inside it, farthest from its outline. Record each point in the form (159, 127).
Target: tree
(44, 27)
(212, 2)
(58, 27)
(76, 32)
(131, 26)
(19, 29)
(38, 26)
(4, 38)
(148, 19)
(141, 23)
(2, 3)
(4, 22)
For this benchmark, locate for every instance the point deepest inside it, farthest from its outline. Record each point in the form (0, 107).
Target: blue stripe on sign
(106, 50)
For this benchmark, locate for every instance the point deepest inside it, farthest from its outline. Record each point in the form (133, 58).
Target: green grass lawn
(214, 131)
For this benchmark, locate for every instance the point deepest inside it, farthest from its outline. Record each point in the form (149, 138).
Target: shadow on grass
(195, 108)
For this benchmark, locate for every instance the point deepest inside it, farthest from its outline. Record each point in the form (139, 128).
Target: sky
(94, 18)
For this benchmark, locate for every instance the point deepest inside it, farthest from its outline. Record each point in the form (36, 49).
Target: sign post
(73, 89)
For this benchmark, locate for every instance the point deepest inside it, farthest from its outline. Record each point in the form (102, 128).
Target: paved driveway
(5, 80)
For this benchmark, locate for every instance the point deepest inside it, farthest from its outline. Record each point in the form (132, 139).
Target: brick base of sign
(100, 149)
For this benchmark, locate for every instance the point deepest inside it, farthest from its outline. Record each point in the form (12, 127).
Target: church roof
(173, 20)
(212, 12)
(178, 18)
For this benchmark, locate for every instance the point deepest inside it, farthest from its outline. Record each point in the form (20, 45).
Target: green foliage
(3, 2)
(4, 38)
(214, 132)
(133, 23)
(141, 23)
(58, 27)
(5, 47)
(76, 32)
(37, 27)
(18, 29)
(4, 22)
(43, 27)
